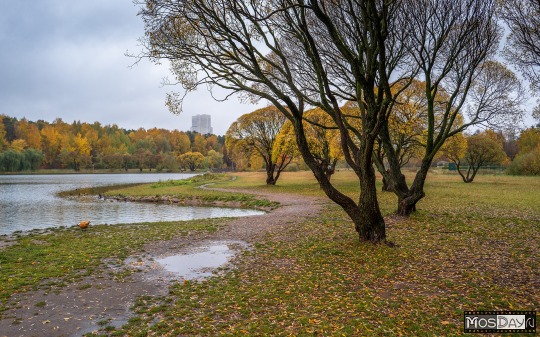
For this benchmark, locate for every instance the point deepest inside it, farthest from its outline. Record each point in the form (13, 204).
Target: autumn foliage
(471, 153)
(527, 160)
(252, 140)
(27, 145)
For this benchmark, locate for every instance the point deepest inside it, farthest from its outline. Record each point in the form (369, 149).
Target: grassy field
(469, 247)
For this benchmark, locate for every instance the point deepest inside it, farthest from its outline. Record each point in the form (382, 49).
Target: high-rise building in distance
(202, 124)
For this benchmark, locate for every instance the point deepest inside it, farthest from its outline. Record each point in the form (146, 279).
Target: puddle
(201, 263)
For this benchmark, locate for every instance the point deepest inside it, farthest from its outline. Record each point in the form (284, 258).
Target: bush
(526, 163)
(14, 161)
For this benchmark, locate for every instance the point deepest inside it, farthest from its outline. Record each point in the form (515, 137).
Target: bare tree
(297, 55)
(523, 48)
(453, 43)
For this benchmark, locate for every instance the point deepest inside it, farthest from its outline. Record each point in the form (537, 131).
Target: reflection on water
(29, 202)
(200, 264)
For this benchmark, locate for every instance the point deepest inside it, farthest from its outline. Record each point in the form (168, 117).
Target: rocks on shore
(193, 201)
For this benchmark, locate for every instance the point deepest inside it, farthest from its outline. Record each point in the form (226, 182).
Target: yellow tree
(454, 148)
(285, 148)
(92, 136)
(235, 152)
(18, 145)
(406, 126)
(51, 145)
(76, 153)
(180, 142)
(191, 160)
(161, 139)
(529, 140)
(3, 141)
(29, 132)
(214, 159)
(407, 129)
(138, 135)
(199, 144)
(407, 122)
(527, 160)
(256, 132)
(323, 140)
(322, 137)
(464, 88)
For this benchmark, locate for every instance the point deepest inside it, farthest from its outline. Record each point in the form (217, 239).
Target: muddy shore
(75, 310)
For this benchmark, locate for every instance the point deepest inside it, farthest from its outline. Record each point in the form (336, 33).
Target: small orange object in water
(84, 224)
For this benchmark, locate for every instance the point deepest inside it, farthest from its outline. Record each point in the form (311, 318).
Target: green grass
(190, 190)
(51, 260)
(469, 247)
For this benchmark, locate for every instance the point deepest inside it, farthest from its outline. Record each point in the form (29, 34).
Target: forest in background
(26, 146)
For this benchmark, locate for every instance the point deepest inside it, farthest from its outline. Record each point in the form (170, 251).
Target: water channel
(30, 202)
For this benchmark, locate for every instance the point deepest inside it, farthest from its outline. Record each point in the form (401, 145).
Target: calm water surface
(202, 261)
(29, 202)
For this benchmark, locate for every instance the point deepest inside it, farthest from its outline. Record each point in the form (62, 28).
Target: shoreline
(112, 299)
(193, 201)
(97, 172)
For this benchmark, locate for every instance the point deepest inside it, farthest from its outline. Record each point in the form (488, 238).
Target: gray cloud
(62, 58)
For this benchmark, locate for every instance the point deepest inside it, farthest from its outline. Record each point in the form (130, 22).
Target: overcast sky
(66, 58)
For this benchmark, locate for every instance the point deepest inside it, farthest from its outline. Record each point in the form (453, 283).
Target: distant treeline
(27, 145)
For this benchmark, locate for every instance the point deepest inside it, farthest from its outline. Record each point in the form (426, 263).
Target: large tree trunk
(407, 200)
(366, 215)
(270, 179)
(370, 223)
(407, 205)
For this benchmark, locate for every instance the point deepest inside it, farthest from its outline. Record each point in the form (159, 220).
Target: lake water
(30, 202)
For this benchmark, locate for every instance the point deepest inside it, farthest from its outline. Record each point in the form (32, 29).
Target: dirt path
(76, 310)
